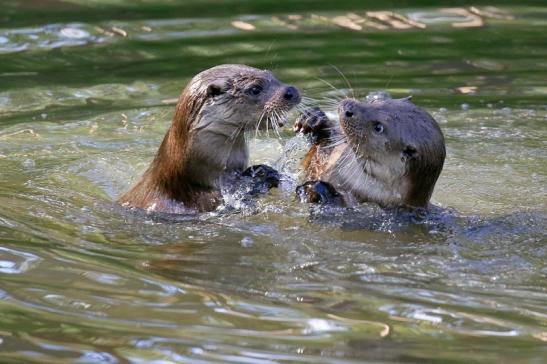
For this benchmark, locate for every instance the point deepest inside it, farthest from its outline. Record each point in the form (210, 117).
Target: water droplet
(247, 242)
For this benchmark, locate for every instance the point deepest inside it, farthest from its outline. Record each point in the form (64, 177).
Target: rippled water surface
(86, 94)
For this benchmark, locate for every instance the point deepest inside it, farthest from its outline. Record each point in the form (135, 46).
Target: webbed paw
(319, 192)
(315, 123)
(263, 178)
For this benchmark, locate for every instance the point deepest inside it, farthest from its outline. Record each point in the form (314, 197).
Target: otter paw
(314, 122)
(263, 178)
(319, 192)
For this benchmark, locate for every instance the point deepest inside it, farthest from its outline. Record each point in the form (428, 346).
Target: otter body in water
(206, 139)
(386, 151)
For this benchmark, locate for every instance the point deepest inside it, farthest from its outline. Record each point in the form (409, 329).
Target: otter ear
(215, 89)
(409, 152)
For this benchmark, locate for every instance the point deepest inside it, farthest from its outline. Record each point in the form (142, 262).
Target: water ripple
(47, 37)
(16, 262)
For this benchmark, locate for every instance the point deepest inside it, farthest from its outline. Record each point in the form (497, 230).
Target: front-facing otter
(386, 151)
(206, 139)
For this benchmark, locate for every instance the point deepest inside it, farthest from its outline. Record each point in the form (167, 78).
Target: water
(86, 94)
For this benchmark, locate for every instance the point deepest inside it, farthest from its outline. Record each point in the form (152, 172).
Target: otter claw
(319, 192)
(313, 121)
(263, 178)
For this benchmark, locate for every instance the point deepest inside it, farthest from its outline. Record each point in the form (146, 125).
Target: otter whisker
(335, 135)
(276, 117)
(268, 127)
(225, 164)
(282, 117)
(330, 105)
(309, 101)
(262, 115)
(275, 127)
(307, 98)
(345, 161)
(336, 143)
(327, 83)
(345, 79)
(340, 95)
(356, 169)
(334, 128)
(333, 102)
(307, 105)
(302, 109)
(329, 100)
(236, 132)
(232, 138)
(274, 121)
(349, 174)
(360, 174)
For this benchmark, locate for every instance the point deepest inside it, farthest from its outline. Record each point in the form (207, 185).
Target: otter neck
(189, 163)
(171, 170)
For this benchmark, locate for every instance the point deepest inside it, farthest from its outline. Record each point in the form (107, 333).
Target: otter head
(213, 112)
(399, 147)
(238, 98)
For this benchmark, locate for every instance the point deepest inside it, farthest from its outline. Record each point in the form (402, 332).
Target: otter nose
(291, 94)
(347, 108)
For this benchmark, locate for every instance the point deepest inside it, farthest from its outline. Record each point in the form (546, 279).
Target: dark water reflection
(86, 93)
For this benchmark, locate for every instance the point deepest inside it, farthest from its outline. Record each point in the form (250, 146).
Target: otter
(206, 139)
(388, 151)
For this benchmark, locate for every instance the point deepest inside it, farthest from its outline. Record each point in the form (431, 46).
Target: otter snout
(282, 101)
(347, 109)
(349, 113)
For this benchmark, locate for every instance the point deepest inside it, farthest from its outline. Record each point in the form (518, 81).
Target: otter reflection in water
(206, 140)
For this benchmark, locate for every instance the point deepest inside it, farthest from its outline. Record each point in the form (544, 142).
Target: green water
(86, 91)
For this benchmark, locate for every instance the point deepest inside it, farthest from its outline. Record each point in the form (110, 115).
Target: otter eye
(378, 127)
(255, 90)
(214, 90)
(349, 114)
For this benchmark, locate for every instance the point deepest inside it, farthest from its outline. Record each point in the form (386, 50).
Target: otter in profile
(206, 139)
(388, 151)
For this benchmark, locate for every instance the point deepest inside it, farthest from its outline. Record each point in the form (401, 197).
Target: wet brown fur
(168, 173)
